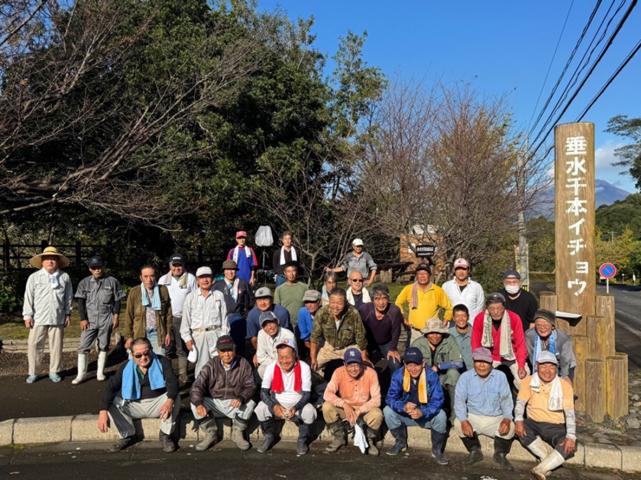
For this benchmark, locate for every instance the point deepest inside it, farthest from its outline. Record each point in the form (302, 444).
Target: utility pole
(523, 264)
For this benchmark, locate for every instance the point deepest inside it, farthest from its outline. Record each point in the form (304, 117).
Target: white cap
(357, 242)
(287, 342)
(461, 263)
(202, 271)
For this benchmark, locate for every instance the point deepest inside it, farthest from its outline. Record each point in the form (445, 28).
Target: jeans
(152, 336)
(394, 420)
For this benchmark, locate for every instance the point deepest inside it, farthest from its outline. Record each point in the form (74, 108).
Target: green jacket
(135, 318)
(447, 354)
(351, 331)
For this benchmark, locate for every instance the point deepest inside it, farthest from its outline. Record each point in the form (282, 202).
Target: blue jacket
(397, 398)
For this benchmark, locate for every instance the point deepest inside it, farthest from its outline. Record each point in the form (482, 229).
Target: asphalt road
(628, 321)
(146, 461)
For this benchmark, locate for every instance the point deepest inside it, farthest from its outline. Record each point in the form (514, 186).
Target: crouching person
(483, 406)
(353, 394)
(549, 431)
(285, 394)
(415, 398)
(224, 388)
(144, 387)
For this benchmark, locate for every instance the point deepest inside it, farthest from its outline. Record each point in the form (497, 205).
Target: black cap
(495, 297)
(424, 267)
(511, 273)
(176, 259)
(95, 262)
(225, 344)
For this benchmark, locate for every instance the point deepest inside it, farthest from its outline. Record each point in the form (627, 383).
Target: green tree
(630, 154)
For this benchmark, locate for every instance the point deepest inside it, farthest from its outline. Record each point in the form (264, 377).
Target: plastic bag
(264, 237)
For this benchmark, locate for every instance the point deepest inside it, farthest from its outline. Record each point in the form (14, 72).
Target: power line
(587, 76)
(565, 68)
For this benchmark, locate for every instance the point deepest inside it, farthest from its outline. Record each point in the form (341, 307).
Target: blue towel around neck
(130, 388)
(155, 301)
(537, 346)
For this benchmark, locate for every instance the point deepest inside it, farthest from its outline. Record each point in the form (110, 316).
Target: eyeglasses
(357, 280)
(143, 354)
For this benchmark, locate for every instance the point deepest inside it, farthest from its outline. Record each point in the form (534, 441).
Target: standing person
(484, 406)
(551, 419)
(265, 303)
(290, 294)
(357, 294)
(501, 331)
(442, 355)
(148, 312)
(544, 337)
(270, 335)
(340, 326)
(284, 395)
(415, 398)
(245, 258)
(179, 283)
(424, 300)
(47, 310)
(519, 301)
(351, 395)
(357, 260)
(224, 388)
(285, 255)
(144, 387)
(305, 324)
(383, 323)
(204, 320)
(463, 290)
(98, 297)
(329, 284)
(238, 298)
(461, 332)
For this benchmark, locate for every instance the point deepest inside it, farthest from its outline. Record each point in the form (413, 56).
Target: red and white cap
(241, 234)
(461, 263)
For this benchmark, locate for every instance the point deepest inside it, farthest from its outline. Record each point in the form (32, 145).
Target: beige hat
(434, 325)
(36, 260)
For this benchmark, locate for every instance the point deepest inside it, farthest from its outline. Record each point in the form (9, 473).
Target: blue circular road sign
(607, 270)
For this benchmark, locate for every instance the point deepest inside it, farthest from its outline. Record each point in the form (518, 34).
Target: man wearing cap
(544, 337)
(484, 406)
(341, 327)
(285, 255)
(519, 301)
(442, 355)
(265, 303)
(303, 330)
(238, 298)
(415, 399)
(383, 323)
(353, 394)
(98, 297)
(148, 312)
(47, 310)
(424, 300)
(179, 283)
(223, 389)
(270, 335)
(463, 290)
(461, 332)
(290, 294)
(143, 387)
(357, 260)
(357, 294)
(551, 420)
(245, 258)
(285, 393)
(501, 331)
(204, 320)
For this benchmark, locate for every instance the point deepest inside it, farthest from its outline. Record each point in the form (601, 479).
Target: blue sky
(501, 49)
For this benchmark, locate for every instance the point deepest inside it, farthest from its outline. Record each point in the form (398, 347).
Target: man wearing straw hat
(47, 310)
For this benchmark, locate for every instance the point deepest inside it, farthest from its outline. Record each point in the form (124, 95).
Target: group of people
(437, 358)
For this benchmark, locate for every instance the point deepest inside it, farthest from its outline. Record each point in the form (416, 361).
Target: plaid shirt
(350, 332)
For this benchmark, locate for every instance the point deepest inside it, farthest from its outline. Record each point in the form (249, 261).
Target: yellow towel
(422, 385)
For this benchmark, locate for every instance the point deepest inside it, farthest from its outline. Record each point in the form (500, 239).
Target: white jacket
(472, 296)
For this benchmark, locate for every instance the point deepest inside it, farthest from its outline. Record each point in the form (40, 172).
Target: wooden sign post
(593, 335)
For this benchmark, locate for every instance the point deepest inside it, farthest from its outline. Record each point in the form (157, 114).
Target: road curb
(82, 428)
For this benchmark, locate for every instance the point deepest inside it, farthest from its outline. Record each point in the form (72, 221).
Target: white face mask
(512, 289)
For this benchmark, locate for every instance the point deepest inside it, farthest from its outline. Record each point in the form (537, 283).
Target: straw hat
(36, 260)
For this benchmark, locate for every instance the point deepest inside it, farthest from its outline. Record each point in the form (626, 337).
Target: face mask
(512, 289)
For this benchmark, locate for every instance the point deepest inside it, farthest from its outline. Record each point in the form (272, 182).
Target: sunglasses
(357, 280)
(143, 354)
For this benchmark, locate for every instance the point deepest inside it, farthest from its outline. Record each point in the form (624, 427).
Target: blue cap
(413, 355)
(352, 355)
